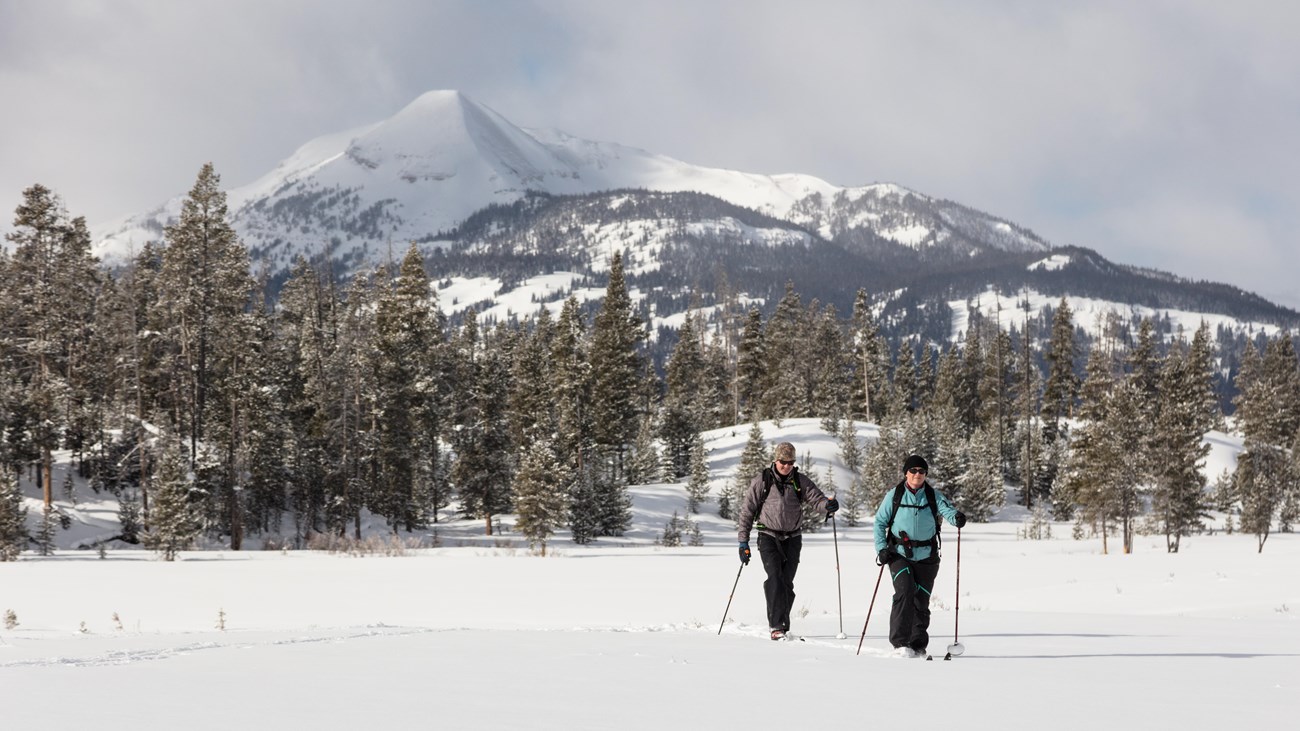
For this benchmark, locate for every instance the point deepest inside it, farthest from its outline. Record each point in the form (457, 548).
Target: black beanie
(916, 460)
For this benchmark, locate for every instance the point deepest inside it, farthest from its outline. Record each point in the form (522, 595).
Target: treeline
(206, 409)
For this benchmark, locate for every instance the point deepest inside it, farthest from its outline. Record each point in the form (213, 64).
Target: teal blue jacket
(917, 522)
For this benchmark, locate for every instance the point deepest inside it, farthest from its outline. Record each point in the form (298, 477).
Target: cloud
(1115, 125)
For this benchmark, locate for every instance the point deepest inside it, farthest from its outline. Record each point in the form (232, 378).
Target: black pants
(909, 620)
(780, 561)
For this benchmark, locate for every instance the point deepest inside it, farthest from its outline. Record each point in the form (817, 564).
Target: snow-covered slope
(444, 156)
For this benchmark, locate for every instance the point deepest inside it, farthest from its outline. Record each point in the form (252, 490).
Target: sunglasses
(916, 471)
(785, 462)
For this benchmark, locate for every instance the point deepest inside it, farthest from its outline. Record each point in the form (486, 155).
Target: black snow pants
(780, 561)
(909, 620)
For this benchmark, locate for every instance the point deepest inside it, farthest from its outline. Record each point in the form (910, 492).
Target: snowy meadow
(480, 632)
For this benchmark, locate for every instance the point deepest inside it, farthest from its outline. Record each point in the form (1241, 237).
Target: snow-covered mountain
(512, 219)
(425, 170)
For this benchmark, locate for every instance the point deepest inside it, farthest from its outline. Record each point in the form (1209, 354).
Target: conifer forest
(208, 407)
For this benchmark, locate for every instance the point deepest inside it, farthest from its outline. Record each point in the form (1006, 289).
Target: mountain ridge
(488, 201)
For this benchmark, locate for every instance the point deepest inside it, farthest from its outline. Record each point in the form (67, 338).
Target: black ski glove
(744, 553)
(831, 506)
(960, 519)
(885, 556)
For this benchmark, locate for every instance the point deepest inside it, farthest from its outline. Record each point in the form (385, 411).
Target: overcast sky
(1160, 133)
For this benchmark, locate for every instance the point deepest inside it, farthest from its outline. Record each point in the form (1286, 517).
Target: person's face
(785, 467)
(915, 478)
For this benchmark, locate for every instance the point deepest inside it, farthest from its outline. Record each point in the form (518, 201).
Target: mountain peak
(445, 134)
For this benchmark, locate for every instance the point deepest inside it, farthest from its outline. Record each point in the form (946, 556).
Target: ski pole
(839, 593)
(956, 648)
(869, 608)
(733, 594)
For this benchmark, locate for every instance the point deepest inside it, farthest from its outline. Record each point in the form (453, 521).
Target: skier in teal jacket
(907, 541)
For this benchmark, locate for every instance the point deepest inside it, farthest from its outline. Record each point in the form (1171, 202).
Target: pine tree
(982, 493)
(530, 391)
(860, 499)
(672, 535)
(903, 394)
(785, 388)
(1062, 384)
(1201, 371)
(409, 421)
(128, 518)
(850, 449)
(174, 523)
(697, 490)
(882, 468)
(482, 470)
(645, 467)
(751, 368)
(680, 424)
(204, 286)
(45, 531)
(1098, 479)
(52, 285)
(615, 369)
(13, 517)
(613, 504)
(871, 356)
(714, 392)
(950, 449)
(540, 503)
(1179, 497)
(571, 388)
(831, 364)
(753, 460)
(1262, 478)
(584, 510)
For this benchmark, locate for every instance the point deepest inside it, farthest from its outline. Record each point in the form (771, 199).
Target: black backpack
(907, 543)
(769, 479)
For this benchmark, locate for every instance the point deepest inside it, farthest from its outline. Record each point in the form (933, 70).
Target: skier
(778, 515)
(907, 541)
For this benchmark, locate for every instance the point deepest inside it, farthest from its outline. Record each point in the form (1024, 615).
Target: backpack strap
(769, 479)
(906, 542)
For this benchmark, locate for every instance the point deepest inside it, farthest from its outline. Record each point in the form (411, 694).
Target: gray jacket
(781, 514)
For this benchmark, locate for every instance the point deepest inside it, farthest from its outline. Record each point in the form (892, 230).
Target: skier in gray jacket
(773, 504)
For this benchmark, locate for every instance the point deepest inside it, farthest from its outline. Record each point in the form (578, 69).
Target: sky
(626, 635)
(1161, 134)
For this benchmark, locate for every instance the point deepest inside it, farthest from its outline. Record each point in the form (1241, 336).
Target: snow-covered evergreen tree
(482, 470)
(13, 517)
(680, 422)
(697, 489)
(584, 508)
(51, 286)
(751, 367)
(1097, 471)
(613, 504)
(1179, 501)
(831, 363)
(1262, 478)
(203, 287)
(982, 493)
(786, 390)
(616, 367)
(46, 529)
(646, 466)
(128, 517)
(540, 503)
(173, 521)
(871, 359)
(754, 458)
